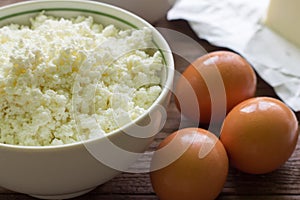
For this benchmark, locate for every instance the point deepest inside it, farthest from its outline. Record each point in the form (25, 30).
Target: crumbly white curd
(67, 80)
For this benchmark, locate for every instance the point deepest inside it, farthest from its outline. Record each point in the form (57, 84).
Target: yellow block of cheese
(283, 17)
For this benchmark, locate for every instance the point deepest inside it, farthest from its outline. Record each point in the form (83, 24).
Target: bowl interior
(105, 14)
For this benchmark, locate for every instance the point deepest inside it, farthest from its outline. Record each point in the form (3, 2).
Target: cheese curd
(66, 80)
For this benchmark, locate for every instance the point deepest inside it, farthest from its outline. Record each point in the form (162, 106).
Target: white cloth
(238, 25)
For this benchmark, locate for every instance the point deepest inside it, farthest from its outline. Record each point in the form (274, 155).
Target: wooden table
(281, 184)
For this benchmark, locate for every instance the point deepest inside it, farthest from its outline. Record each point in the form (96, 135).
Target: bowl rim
(31, 2)
(163, 47)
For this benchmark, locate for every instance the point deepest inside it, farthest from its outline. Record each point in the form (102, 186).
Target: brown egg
(199, 172)
(213, 84)
(260, 134)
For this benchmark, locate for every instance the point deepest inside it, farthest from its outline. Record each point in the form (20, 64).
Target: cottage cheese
(66, 80)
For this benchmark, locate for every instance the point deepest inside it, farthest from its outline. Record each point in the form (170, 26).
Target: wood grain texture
(281, 184)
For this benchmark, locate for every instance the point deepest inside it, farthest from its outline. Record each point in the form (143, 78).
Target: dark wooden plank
(150, 197)
(270, 197)
(118, 197)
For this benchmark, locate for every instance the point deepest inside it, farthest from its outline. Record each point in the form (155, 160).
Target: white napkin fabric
(238, 25)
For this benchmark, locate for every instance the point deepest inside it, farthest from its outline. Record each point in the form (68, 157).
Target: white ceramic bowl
(65, 171)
